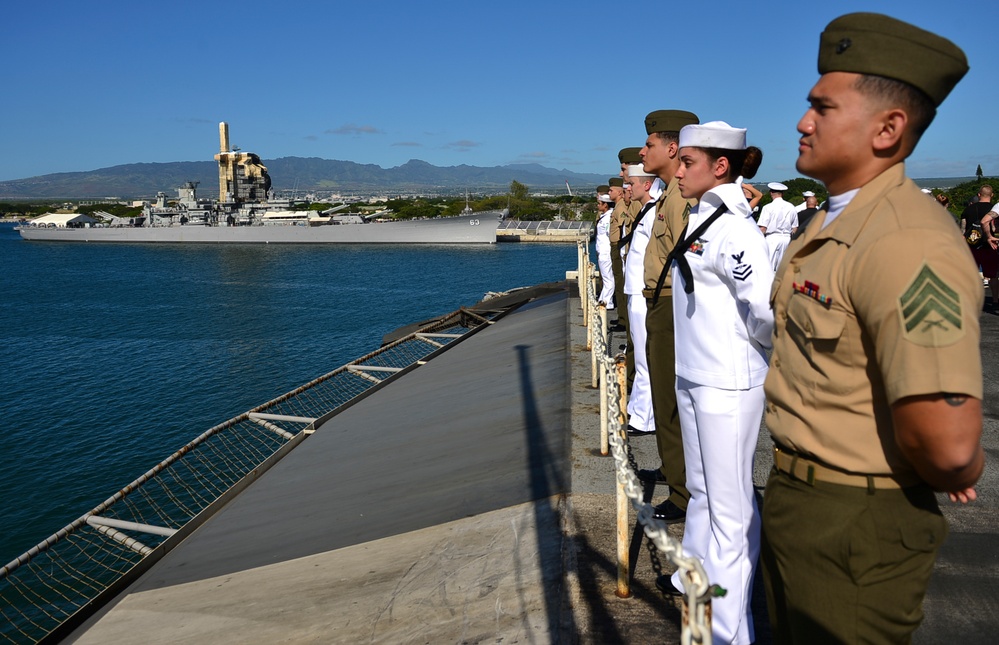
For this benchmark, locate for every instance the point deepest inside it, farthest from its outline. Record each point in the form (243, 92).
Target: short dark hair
(672, 136)
(914, 101)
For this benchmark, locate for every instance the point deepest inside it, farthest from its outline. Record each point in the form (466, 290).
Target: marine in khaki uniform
(875, 383)
(618, 216)
(630, 210)
(661, 157)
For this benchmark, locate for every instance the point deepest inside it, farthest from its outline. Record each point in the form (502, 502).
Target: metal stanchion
(623, 576)
(605, 374)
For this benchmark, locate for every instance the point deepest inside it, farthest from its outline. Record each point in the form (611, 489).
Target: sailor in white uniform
(778, 221)
(721, 309)
(803, 205)
(641, 420)
(604, 207)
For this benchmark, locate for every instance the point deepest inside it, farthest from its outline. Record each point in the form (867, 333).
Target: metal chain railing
(696, 615)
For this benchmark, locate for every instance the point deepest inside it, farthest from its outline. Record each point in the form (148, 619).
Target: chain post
(620, 364)
(605, 376)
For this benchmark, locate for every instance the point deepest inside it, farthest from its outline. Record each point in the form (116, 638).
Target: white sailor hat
(926, 190)
(604, 197)
(713, 134)
(777, 186)
(808, 193)
(638, 170)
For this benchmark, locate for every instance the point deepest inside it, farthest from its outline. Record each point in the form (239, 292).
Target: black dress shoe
(669, 512)
(617, 327)
(652, 476)
(635, 432)
(664, 583)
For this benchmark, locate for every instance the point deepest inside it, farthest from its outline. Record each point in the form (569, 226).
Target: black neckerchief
(681, 248)
(638, 220)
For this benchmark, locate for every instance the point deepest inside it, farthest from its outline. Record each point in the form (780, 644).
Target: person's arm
(940, 436)
(987, 228)
(753, 197)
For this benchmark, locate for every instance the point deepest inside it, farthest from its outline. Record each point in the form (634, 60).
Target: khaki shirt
(618, 216)
(672, 212)
(628, 220)
(880, 305)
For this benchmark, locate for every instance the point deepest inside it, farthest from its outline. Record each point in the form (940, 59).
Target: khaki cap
(669, 120)
(616, 181)
(630, 155)
(871, 43)
(603, 189)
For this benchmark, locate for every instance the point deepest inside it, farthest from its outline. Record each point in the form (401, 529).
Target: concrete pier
(468, 503)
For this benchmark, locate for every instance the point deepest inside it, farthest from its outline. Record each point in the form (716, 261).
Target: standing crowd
(852, 328)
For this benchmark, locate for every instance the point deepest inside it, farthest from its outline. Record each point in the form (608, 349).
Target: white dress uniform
(723, 329)
(604, 260)
(640, 414)
(780, 218)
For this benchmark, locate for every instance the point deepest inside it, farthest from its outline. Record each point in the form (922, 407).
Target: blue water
(113, 356)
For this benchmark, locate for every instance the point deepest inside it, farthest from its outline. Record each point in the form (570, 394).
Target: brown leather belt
(809, 471)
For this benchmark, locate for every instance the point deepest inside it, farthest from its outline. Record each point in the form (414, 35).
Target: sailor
(874, 392)
(721, 309)
(778, 222)
(661, 157)
(641, 421)
(803, 205)
(604, 206)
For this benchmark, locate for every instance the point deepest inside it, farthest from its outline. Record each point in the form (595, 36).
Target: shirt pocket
(818, 331)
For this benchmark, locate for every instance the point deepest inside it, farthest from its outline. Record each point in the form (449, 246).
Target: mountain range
(299, 174)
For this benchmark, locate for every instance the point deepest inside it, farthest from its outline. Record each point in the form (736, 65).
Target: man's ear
(891, 127)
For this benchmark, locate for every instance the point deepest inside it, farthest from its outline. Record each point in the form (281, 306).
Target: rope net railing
(696, 618)
(47, 585)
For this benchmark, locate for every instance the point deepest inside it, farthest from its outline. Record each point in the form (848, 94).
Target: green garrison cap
(669, 120)
(616, 181)
(871, 43)
(629, 155)
(603, 189)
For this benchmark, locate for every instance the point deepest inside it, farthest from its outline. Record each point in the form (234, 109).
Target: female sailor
(721, 288)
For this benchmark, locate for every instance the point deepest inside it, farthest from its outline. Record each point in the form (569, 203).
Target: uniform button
(808, 327)
(783, 315)
(776, 362)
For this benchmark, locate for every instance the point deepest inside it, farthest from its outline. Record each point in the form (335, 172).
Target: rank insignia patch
(741, 270)
(697, 248)
(930, 311)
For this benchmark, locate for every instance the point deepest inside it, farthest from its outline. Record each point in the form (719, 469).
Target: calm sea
(114, 356)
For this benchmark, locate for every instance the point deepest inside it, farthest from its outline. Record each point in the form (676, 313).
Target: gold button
(808, 327)
(776, 362)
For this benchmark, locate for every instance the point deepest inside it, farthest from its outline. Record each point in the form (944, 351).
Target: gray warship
(248, 213)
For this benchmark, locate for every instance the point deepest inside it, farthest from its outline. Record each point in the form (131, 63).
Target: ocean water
(114, 356)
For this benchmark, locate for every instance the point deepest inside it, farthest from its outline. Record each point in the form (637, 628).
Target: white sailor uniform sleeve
(743, 262)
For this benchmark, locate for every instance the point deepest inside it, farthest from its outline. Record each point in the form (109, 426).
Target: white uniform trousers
(777, 243)
(720, 428)
(607, 278)
(640, 402)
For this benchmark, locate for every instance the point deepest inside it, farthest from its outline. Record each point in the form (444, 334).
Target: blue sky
(563, 84)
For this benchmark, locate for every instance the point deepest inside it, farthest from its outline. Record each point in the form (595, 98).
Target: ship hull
(478, 228)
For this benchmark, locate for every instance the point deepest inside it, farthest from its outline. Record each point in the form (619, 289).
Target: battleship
(248, 213)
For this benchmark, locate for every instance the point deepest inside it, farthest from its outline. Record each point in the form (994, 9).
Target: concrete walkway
(462, 531)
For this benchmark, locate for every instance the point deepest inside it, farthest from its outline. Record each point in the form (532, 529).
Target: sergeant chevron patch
(930, 311)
